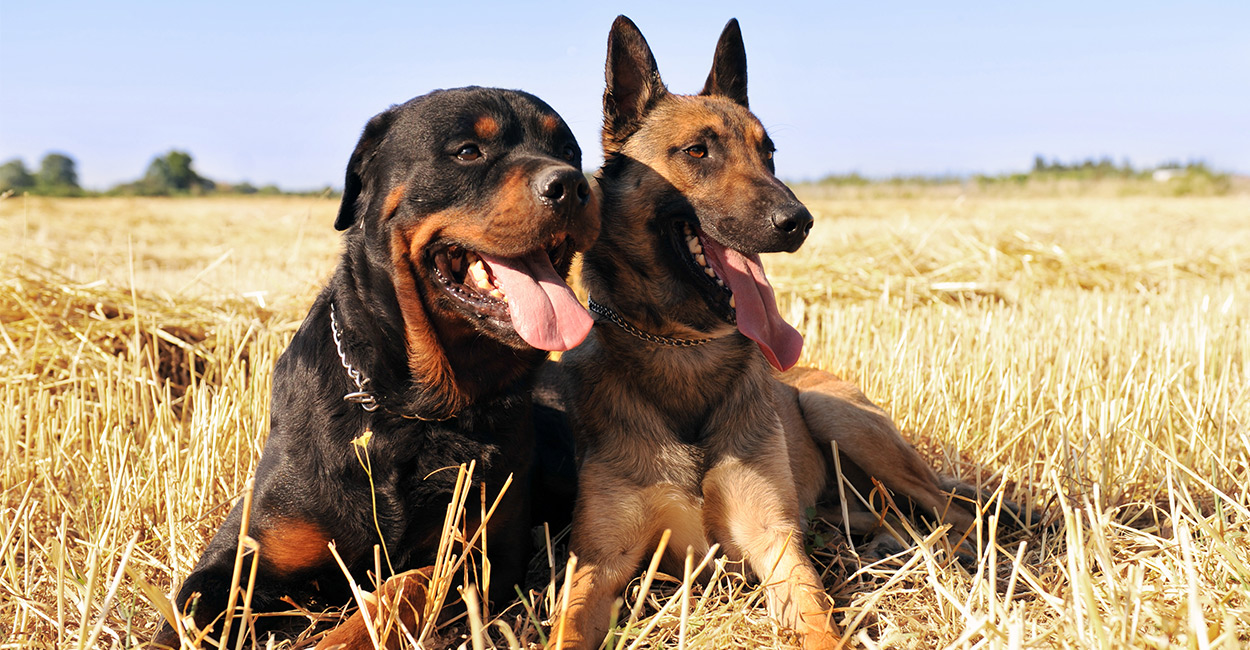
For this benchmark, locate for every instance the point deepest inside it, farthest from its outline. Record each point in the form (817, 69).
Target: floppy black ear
(356, 196)
(728, 77)
(633, 82)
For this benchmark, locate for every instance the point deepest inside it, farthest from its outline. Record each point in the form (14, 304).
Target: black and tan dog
(680, 422)
(462, 210)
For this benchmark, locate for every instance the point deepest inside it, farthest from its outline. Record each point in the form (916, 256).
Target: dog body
(462, 210)
(681, 424)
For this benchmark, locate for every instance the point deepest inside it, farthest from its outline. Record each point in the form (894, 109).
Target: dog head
(690, 187)
(462, 210)
(473, 201)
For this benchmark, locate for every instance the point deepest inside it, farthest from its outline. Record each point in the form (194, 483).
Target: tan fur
(486, 127)
(292, 545)
(734, 487)
(705, 440)
(505, 227)
(834, 410)
(397, 609)
(426, 354)
(392, 200)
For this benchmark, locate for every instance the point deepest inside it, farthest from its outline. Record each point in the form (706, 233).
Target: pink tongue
(758, 318)
(543, 308)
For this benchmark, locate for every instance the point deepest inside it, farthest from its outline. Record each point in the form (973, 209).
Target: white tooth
(693, 244)
(710, 273)
(700, 259)
(496, 293)
(479, 275)
(731, 303)
(720, 282)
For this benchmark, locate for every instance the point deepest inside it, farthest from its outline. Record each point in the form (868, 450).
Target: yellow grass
(1090, 355)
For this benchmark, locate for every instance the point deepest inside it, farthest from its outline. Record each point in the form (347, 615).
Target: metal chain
(363, 396)
(610, 314)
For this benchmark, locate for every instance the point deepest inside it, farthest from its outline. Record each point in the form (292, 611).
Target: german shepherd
(680, 422)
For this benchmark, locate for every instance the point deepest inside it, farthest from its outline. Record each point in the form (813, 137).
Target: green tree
(173, 174)
(15, 176)
(57, 173)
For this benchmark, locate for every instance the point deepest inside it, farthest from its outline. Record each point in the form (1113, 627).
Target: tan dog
(680, 422)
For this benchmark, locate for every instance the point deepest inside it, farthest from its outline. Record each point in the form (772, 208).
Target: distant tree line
(171, 174)
(1043, 170)
(56, 176)
(1192, 177)
(1097, 169)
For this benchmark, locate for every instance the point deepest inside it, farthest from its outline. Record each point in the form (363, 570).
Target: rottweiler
(461, 212)
(683, 416)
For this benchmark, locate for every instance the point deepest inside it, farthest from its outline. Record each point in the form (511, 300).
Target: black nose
(560, 187)
(793, 221)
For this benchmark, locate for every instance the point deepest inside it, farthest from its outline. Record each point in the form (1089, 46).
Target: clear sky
(278, 91)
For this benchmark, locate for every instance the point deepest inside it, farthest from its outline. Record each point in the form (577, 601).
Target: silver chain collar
(363, 395)
(619, 321)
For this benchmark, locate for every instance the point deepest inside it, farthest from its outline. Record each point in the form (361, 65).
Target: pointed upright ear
(633, 82)
(728, 77)
(356, 192)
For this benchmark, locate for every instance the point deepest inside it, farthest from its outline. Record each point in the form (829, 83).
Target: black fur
(310, 472)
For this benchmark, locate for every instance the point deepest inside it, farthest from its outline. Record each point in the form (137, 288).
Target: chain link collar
(619, 321)
(364, 395)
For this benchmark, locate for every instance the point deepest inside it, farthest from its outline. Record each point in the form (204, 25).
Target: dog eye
(569, 153)
(768, 155)
(696, 151)
(469, 152)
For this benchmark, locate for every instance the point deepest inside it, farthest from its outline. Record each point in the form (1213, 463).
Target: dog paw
(881, 545)
(979, 500)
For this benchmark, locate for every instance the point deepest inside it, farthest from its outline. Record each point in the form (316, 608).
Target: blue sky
(278, 91)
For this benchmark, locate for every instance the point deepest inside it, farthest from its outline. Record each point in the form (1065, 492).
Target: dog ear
(356, 195)
(633, 82)
(728, 77)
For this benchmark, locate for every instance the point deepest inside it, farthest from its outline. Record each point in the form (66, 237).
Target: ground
(1086, 355)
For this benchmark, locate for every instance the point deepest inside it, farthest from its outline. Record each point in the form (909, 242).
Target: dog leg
(752, 511)
(397, 607)
(609, 550)
(836, 410)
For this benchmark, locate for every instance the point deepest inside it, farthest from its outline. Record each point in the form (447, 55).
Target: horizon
(275, 94)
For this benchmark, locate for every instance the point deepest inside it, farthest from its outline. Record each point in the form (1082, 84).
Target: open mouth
(735, 287)
(692, 246)
(525, 291)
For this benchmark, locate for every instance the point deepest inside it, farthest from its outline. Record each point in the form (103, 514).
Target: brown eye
(697, 151)
(569, 153)
(768, 155)
(468, 152)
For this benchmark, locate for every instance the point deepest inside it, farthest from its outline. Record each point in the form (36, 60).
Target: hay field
(1087, 356)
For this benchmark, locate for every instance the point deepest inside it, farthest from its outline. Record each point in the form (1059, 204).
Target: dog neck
(364, 395)
(618, 320)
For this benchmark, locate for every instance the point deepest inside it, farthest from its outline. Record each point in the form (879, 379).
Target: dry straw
(1084, 356)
